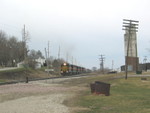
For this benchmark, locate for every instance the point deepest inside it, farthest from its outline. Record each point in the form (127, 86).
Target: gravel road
(36, 104)
(34, 97)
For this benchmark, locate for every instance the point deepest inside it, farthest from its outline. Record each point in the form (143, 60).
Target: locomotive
(70, 69)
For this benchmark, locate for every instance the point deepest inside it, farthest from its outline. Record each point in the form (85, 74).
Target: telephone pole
(59, 53)
(102, 63)
(72, 60)
(112, 65)
(145, 59)
(67, 55)
(48, 56)
(46, 62)
(48, 50)
(130, 26)
(144, 62)
(59, 61)
(24, 39)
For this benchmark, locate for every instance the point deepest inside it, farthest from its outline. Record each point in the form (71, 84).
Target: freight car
(69, 69)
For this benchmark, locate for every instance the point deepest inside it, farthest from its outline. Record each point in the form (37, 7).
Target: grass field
(126, 96)
(21, 74)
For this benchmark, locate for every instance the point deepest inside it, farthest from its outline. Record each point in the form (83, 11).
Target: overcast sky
(84, 29)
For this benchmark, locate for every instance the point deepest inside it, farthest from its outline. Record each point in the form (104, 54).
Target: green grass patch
(126, 96)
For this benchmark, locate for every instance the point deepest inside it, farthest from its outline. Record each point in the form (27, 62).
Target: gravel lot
(36, 104)
(34, 97)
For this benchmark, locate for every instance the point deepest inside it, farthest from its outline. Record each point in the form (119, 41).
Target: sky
(84, 29)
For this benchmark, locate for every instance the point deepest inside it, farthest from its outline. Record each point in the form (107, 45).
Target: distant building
(141, 67)
(41, 61)
(144, 67)
(20, 65)
(38, 65)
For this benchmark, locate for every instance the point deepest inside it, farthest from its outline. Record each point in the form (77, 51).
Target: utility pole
(72, 60)
(47, 62)
(59, 53)
(48, 49)
(129, 26)
(112, 65)
(67, 55)
(144, 61)
(102, 63)
(46, 56)
(59, 61)
(24, 39)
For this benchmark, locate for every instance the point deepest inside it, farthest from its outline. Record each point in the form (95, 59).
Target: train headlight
(65, 64)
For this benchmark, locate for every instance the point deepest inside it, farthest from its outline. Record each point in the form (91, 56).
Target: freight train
(70, 69)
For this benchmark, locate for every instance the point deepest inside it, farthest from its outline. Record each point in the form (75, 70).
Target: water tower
(130, 43)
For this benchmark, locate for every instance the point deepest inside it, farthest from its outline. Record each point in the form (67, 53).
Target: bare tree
(10, 50)
(3, 48)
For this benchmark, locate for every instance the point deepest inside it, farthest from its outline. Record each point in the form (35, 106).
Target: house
(41, 61)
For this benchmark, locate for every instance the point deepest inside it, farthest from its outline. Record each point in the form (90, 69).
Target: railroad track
(36, 79)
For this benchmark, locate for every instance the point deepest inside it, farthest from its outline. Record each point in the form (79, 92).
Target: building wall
(133, 63)
(144, 67)
(40, 60)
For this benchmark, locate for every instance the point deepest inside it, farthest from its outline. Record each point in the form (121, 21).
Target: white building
(40, 60)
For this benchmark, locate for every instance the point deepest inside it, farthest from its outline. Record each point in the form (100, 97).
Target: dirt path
(36, 104)
(35, 97)
(8, 68)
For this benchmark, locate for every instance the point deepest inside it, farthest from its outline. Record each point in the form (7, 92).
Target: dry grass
(126, 96)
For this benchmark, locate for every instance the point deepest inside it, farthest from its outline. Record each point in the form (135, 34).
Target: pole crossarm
(130, 26)
(130, 30)
(130, 20)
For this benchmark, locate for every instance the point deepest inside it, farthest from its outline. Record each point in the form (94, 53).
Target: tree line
(11, 50)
